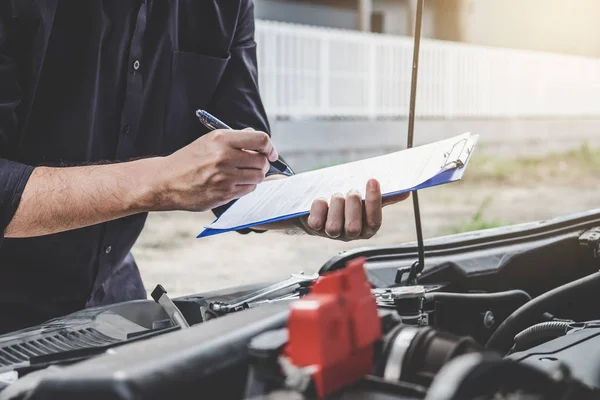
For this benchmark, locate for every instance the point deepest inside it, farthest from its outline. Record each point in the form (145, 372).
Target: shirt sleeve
(13, 175)
(237, 98)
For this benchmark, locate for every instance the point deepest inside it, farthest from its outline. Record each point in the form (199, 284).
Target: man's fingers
(267, 165)
(248, 177)
(395, 199)
(353, 215)
(335, 217)
(252, 140)
(252, 160)
(373, 205)
(242, 190)
(318, 215)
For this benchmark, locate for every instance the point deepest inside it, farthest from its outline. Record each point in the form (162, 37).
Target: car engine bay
(507, 313)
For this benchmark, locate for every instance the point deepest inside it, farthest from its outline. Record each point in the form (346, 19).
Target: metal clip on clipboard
(458, 155)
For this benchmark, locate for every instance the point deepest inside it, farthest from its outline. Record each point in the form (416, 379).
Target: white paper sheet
(396, 172)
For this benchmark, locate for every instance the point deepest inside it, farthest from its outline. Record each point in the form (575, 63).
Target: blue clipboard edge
(449, 176)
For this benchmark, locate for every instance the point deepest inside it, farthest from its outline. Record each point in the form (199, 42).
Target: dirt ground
(531, 189)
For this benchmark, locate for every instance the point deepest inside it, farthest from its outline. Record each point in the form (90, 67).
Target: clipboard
(449, 160)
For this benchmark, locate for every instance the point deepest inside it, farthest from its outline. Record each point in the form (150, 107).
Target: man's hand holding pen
(215, 169)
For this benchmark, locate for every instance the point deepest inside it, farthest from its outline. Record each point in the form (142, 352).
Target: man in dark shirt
(97, 129)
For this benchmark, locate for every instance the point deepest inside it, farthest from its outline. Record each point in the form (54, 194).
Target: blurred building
(337, 90)
(563, 26)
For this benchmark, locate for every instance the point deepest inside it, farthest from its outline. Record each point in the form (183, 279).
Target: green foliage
(569, 166)
(478, 221)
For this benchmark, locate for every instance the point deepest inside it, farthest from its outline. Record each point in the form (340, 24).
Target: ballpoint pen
(211, 122)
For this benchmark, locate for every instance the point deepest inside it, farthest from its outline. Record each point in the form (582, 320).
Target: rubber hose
(529, 313)
(518, 295)
(539, 334)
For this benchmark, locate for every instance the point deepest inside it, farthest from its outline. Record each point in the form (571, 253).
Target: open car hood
(93, 351)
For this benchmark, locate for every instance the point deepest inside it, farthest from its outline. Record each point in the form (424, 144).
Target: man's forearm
(216, 168)
(60, 199)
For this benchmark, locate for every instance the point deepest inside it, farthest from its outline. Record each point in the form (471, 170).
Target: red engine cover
(334, 329)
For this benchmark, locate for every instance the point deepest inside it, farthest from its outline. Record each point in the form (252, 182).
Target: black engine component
(482, 376)
(206, 358)
(85, 332)
(584, 288)
(579, 350)
(415, 355)
(473, 314)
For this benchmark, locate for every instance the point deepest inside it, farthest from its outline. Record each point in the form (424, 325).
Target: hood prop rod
(418, 266)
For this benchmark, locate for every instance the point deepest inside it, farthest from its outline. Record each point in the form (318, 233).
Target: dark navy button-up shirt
(89, 81)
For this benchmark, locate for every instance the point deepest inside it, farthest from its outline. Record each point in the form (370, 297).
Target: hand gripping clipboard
(425, 166)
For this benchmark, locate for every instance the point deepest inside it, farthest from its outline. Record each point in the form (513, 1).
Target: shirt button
(126, 130)
(108, 249)
(136, 65)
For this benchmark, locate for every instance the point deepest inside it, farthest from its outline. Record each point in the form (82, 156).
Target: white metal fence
(318, 72)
